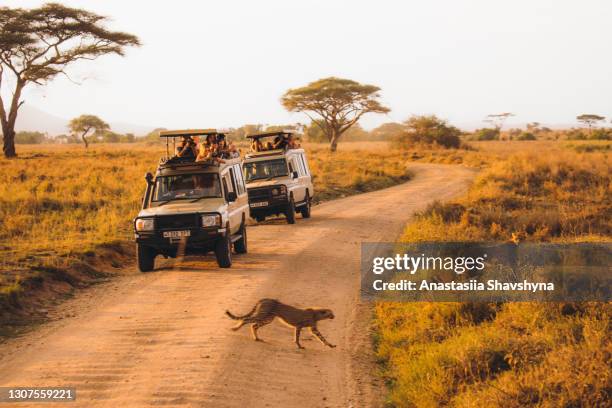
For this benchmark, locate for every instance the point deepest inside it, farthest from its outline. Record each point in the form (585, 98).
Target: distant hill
(34, 119)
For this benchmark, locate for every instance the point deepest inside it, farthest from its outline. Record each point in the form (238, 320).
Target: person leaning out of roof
(280, 142)
(225, 149)
(293, 142)
(187, 148)
(257, 145)
(211, 149)
(206, 148)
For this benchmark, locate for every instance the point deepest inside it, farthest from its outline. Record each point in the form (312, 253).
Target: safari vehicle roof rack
(269, 134)
(174, 134)
(257, 136)
(264, 153)
(188, 132)
(181, 164)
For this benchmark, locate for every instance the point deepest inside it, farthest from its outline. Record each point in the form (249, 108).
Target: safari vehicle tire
(146, 258)
(290, 212)
(260, 218)
(305, 209)
(240, 246)
(223, 251)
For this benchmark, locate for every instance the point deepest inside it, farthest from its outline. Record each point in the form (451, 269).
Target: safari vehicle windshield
(185, 186)
(264, 170)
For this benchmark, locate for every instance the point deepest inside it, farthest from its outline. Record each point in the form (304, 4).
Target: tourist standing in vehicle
(187, 148)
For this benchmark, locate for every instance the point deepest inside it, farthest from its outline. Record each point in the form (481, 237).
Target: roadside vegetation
(512, 354)
(66, 211)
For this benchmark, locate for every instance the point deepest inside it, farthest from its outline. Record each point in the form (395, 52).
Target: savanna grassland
(507, 354)
(66, 211)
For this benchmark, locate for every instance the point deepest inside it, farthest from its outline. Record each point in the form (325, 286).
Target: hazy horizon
(227, 64)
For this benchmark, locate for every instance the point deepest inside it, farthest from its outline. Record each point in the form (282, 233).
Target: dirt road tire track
(161, 338)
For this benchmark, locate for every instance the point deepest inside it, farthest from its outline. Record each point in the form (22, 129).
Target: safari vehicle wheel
(290, 212)
(240, 246)
(146, 258)
(305, 209)
(223, 251)
(260, 218)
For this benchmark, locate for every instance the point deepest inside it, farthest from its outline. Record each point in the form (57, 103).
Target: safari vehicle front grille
(259, 194)
(178, 221)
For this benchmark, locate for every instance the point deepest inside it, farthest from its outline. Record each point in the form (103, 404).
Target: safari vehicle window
(306, 169)
(291, 166)
(185, 186)
(234, 179)
(228, 184)
(266, 169)
(300, 166)
(239, 179)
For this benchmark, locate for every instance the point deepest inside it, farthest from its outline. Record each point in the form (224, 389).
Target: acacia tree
(498, 119)
(589, 120)
(84, 124)
(38, 44)
(338, 103)
(429, 130)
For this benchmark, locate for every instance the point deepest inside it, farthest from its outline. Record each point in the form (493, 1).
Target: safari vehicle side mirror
(294, 175)
(147, 195)
(231, 196)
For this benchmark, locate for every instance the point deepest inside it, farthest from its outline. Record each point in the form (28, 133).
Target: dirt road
(161, 339)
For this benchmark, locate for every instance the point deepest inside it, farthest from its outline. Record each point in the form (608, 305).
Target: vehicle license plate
(261, 204)
(177, 234)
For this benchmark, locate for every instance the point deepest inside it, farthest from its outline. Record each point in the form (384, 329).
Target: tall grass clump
(507, 354)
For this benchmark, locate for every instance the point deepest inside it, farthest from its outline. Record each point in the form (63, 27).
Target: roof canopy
(189, 132)
(269, 134)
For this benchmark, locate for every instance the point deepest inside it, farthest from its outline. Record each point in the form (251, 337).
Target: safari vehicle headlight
(211, 220)
(145, 224)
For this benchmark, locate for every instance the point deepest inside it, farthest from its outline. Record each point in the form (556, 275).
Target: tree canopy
(590, 119)
(429, 130)
(85, 123)
(498, 119)
(38, 44)
(334, 104)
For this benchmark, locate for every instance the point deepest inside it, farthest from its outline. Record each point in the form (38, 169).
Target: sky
(227, 63)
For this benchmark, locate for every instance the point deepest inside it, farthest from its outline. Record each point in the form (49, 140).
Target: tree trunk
(8, 124)
(333, 140)
(85, 139)
(9, 142)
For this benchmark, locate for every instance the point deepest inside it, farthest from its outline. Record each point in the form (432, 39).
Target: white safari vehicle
(278, 178)
(192, 208)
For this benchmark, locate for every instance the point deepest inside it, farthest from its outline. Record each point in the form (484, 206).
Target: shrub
(429, 130)
(526, 136)
(576, 134)
(486, 134)
(30, 138)
(601, 134)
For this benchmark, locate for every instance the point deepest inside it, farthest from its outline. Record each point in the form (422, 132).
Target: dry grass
(512, 354)
(355, 168)
(59, 204)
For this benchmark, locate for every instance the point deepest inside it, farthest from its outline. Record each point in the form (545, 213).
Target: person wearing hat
(187, 148)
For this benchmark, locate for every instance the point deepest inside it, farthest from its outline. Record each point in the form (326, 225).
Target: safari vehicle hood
(273, 182)
(186, 207)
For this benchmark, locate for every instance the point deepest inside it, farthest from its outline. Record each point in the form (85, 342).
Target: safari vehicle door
(300, 174)
(236, 196)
